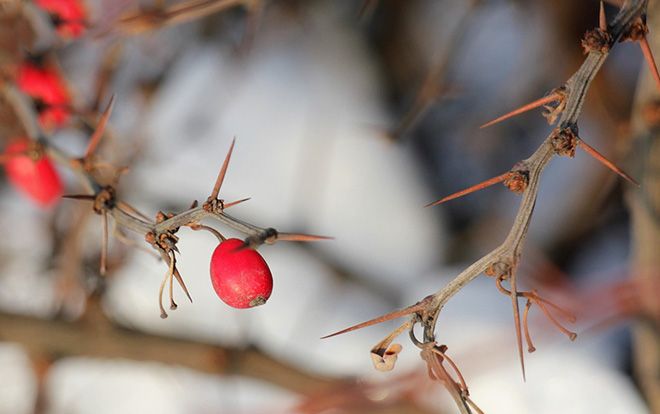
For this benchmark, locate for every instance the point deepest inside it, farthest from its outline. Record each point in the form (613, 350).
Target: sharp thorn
(301, 237)
(387, 317)
(85, 197)
(648, 56)
(472, 189)
(602, 17)
(95, 139)
(524, 108)
(223, 171)
(233, 203)
(609, 164)
(179, 279)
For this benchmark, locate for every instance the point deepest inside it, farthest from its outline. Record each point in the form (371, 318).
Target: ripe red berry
(46, 87)
(68, 16)
(37, 179)
(240, 277)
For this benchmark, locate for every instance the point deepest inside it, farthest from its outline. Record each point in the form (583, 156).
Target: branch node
(636, 32)
(105, 200)
(565, 140)
(552, 111)
(518, 178)
(498, 269)
(596, 40)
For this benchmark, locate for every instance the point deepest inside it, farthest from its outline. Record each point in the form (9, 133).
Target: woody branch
(524, 178)
(576, 87)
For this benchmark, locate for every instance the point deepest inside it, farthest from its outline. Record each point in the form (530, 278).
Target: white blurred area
(306, 106)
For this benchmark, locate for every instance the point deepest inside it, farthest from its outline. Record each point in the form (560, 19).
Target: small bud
(105, 199)
(597, 40)
(498, 269)
(635, 33)
(518, 179)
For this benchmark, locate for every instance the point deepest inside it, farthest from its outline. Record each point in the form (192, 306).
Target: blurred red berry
(240, 276)
(46, 87)
(37, 179)
(68, 16)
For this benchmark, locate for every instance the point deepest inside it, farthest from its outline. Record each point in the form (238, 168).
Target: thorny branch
(160, 233)
(510, 250)
(502, 261)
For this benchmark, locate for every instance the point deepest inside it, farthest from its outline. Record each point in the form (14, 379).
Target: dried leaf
(384, 360)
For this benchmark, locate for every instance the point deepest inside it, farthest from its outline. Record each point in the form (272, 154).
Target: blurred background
(349, 116)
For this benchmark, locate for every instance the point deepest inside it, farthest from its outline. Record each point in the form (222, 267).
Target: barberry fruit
(68, 16)
(46, 87)
(240, 276)
(34, 177)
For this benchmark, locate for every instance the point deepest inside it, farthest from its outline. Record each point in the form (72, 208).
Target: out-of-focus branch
(96, 336)
(645, 210)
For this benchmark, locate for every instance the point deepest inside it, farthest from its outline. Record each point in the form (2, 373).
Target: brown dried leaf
(384, 359)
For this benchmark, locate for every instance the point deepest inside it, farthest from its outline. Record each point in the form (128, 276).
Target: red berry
(45, 85)
(68, 15)
(240, 276)
(37, 179)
